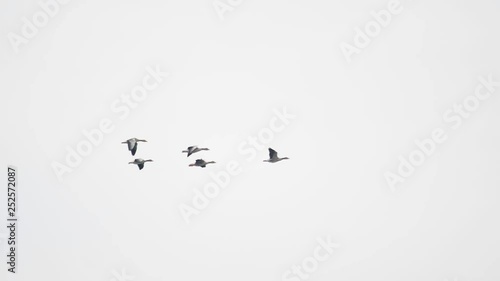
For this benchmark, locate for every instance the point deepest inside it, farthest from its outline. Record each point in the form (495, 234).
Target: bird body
(193, 149)
(132, 144)
(140, 162)
(273, 156)
(201, 163)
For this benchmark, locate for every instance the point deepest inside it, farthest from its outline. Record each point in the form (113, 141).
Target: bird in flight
(193, 149)
(140, 162)
(132, 144)
(201, 163)
(273, 156)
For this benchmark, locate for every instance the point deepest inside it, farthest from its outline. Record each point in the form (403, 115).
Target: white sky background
(352, 121)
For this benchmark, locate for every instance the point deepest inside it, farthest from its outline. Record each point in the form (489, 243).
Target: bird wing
(191, 150)
(272, 153)
(200, 162)
(134, 149)
(140, 166)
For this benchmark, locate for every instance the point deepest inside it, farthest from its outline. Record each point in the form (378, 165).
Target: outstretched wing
(272, 153)
(140, 166)
(191, 150)
(134, 149)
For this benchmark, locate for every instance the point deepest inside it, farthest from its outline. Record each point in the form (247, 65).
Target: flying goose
(140, 162)
(193, 149)
(132, 144)
(201, 163)
(273, 156)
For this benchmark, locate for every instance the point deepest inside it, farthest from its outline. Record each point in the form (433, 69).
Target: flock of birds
(133, 142)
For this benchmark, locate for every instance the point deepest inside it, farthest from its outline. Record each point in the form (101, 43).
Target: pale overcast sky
(274, 71)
